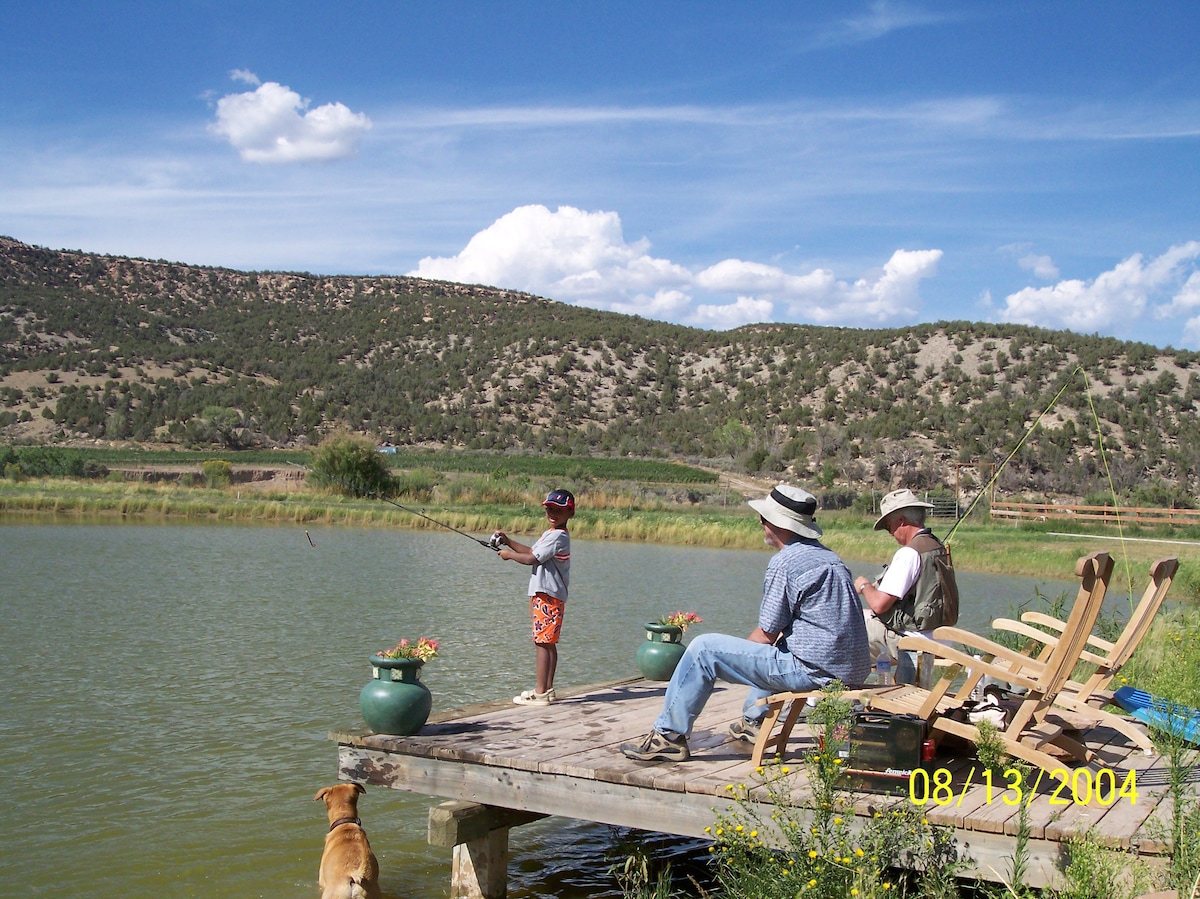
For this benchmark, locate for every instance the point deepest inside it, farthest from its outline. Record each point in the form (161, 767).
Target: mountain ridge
(112, 348)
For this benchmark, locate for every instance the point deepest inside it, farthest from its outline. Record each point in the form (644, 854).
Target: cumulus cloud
(1115, 296)
(566, 254)
(667, 305)
(1185, 302)
(820, 297)
(732, 315)
(583, 257)
(274, 124)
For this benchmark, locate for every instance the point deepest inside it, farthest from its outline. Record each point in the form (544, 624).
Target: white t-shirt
(552, 571)
(902, 572)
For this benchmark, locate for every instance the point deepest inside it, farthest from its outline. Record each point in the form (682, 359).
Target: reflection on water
(169, 691)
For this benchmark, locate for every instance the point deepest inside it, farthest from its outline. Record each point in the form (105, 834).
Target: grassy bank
(625, 514)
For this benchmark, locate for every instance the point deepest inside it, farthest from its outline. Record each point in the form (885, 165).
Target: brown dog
(348, 866)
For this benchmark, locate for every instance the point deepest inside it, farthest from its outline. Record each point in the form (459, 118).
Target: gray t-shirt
(552, 571)
(808, 594)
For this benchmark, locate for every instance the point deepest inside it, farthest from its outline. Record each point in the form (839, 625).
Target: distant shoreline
(981, 547)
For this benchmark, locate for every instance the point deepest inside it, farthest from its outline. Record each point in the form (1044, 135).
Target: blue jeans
(713, 657)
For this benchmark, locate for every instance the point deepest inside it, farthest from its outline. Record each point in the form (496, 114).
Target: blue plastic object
(1180, 720)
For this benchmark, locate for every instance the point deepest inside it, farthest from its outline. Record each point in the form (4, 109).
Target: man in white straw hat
(810, 632)
(916, 592)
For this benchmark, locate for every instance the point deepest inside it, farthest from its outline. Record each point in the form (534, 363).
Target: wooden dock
(502, 764)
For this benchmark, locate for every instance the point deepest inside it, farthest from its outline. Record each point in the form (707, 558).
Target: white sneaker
(531, 697)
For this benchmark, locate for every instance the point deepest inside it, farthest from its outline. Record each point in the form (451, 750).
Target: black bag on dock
(883, 750)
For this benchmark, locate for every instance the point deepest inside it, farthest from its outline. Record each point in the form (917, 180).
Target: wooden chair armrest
(989, 649)
(855, 693)
(1101, 644)
(941, 651)
(1042, 620)
(1024, 630)
(1098, 661)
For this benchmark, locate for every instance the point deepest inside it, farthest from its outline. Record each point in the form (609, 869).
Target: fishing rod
(1028, 431)
(492, 543)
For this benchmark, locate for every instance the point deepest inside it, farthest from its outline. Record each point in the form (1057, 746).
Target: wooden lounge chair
(1089, 696)
(1030, 730)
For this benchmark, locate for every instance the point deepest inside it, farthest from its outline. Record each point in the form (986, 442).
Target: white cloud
(668, 305)
(743, 311)
(1112, 298)
(820, 297)
(735, 275)
(1040, 266)
(582, 257)
(273, 123)
(880, 19)
(567, 254)
(245, 76)
(1183, 303)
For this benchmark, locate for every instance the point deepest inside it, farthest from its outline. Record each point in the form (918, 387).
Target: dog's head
(341, 800)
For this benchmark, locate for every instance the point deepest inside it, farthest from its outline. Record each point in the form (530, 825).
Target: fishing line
(996, 476)
(1103, 459)
(1111, 486)
(489, 544)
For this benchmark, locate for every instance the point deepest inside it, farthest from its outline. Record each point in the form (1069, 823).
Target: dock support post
(479, 836)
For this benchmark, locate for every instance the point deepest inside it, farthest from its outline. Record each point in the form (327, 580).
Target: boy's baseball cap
(562, 499)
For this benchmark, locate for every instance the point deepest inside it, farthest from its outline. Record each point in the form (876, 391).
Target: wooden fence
(1133, 515)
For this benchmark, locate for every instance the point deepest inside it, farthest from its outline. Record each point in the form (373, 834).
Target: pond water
(168, 693)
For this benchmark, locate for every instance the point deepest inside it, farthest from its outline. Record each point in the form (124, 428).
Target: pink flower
(681, 620)
(424, 649)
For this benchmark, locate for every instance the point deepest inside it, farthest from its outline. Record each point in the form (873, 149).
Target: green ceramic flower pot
(661, 651)
(395, 701)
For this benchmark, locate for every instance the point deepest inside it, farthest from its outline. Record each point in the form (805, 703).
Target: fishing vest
(933, 600)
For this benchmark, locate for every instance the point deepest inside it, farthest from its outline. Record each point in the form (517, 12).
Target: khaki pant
(883, 641)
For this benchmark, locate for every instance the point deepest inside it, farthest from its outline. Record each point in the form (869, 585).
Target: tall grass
(607, 511)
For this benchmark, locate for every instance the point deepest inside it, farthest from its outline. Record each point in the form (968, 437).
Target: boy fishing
(550, 557)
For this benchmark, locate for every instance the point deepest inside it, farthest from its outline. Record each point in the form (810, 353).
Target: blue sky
(866, 164)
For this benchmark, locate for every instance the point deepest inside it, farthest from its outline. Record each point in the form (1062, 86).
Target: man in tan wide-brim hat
(909, 597)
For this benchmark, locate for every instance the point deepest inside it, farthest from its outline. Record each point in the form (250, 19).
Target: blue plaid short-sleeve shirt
(808, 594)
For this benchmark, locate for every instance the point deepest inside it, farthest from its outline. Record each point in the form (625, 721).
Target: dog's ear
(359, 788)
(321, 793)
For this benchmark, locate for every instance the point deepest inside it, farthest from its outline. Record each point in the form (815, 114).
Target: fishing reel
(494, 542)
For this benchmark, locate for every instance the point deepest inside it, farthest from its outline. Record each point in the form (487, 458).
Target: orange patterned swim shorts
(547, 614)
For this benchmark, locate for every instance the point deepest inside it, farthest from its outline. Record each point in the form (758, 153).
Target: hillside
(101, 348)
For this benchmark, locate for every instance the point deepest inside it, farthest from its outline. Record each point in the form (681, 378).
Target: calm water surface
(168, 692)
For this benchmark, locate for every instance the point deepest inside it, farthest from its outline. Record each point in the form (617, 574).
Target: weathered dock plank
(563, 759)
